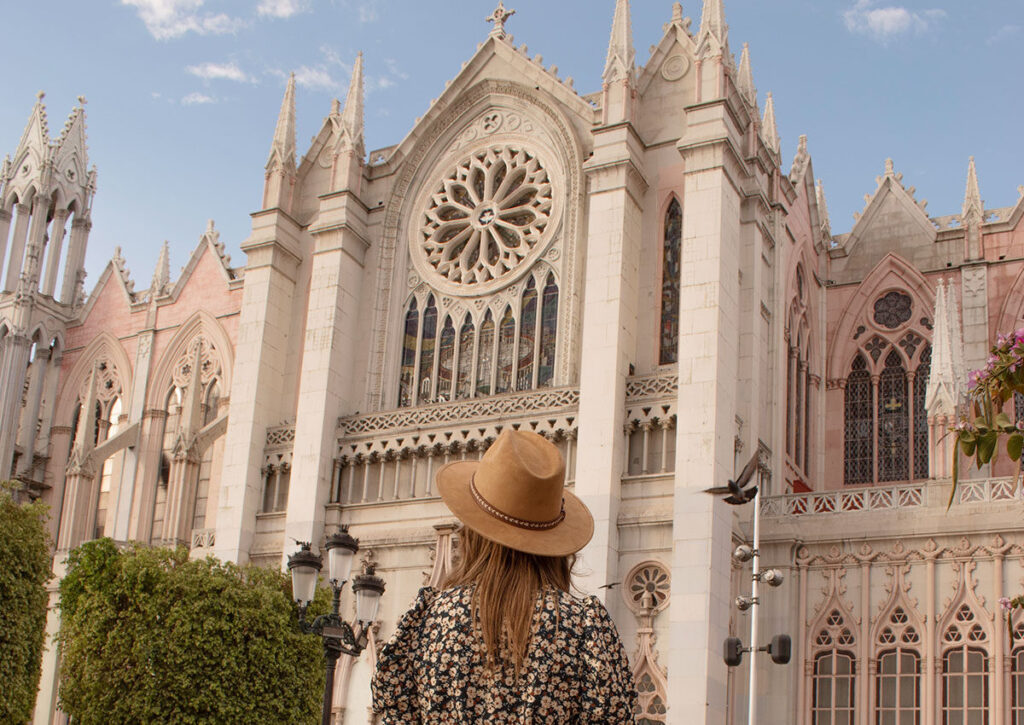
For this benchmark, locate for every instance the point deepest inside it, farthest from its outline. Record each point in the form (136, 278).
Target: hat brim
(568, 537)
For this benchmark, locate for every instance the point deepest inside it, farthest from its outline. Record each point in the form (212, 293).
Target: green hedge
(24, 571)
(149, 636)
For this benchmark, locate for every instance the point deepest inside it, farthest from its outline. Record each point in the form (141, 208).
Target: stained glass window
(807, 418)
(446, 359)
(1018, 408)
(893, 309)
(670, 283)
(859, 424)
(464, 384)
(1017, 678)
(485, 356)
(548, 333)
(964, 686)
(921, 449)
(833, 688)
(527, 337)
(790, 397)
(408, 372)
(427, 351)
(800, 421)
(506, 351)
(898, 688)
(893, 420)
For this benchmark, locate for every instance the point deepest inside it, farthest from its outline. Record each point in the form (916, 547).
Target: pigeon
(737, 493)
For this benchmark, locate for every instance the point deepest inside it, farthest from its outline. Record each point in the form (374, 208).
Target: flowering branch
(985, 423)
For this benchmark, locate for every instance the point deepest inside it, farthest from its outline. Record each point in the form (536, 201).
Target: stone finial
(712, 23)
(162, 273)
(620, 64)
(826, 224)
(349, 123)
(769, 131)
(121, 267)
(499, 17)
(677, 20)
(945, 383)
(973, 210)
(282, 148)
(800, 161)
(745, 78)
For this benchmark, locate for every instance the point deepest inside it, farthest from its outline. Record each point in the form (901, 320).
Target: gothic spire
(769, 132)
(350, 132)
(745, 78)
(944, 386)
(37, 130)
(800, 160)
(282, 149)
(621, 61)
(162, 274)
(712, 22)
(956, 338)
(973, 209)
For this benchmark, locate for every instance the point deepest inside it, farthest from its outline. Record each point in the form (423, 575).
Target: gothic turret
(745, 79)
(769, 131)
(713, 36)
(347, 134)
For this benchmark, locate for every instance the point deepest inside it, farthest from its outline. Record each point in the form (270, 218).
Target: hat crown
(522, 475)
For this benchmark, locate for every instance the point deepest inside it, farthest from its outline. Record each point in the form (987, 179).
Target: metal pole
(754, 585)
(332, 651)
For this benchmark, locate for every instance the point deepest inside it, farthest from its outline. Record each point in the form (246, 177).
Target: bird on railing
(738, 493)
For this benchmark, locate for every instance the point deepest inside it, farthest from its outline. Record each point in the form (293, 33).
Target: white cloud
(281, 8)
(368, 11)
(197, 98)
(166, 19)
(885, 23)
(1005, 32)
(316, 78)
(219, 71)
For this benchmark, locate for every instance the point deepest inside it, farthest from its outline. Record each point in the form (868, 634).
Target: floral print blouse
(433, 669)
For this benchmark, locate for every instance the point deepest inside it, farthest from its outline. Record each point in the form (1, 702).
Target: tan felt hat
(515, 495)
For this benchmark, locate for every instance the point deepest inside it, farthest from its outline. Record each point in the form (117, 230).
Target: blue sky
(183, 94)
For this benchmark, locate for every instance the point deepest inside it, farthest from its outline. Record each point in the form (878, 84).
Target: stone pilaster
(977, 339)
(708, 374)
(30, 415)
(326, 388)
(17, 246)
(58, 229)
(616, 186)
(14, 353)
(258, 393)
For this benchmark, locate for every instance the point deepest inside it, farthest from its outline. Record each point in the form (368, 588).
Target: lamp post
(338, 636)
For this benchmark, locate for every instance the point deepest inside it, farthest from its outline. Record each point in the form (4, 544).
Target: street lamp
(338, 636)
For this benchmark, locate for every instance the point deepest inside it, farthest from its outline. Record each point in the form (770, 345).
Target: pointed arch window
(1017, 675)
(833, 679)
(898, 672)
(446, 361)
(407, 374)
(464, 379)
(893, 420)
(172, 415)
(506, 351)
(485, 356)
(670, 270)
(965, 698)
(108, 472)
(548, 333)
(527, 337)
(859, 424)
(447, 355)
(921, 449)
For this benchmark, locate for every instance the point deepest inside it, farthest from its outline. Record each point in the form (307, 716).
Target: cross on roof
(498, 17)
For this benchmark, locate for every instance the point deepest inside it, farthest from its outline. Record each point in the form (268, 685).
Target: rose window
(487, 217)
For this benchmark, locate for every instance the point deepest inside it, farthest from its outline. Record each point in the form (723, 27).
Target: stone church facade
(631, 273)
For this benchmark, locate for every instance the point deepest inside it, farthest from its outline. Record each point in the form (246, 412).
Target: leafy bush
(149, 636)
(24, 571)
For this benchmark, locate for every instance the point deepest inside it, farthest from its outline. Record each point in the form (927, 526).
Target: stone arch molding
(833, 617)
(898, 622)
(891, 273)
(964, 619)
(489, 113)
(1011, 313)
(216, 358)
(104, 348)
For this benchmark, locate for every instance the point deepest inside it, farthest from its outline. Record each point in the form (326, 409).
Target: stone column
(616, 188)
(5, 230)
(181, 492)
(17, 246)
(57, 231)
(14, 353)
(147, 475)
(36, 242)
(30, 416)
(76, 255)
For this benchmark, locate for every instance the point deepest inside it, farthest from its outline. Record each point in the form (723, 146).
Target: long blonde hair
(507, 583)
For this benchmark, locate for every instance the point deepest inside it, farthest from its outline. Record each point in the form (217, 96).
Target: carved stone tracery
(646, 592)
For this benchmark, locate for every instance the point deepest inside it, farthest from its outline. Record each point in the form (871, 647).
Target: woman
(504, 641)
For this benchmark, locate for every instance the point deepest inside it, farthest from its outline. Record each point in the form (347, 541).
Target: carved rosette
(486, 221)
(646, 592)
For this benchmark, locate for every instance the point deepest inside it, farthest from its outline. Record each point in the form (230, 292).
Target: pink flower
(1005, 603)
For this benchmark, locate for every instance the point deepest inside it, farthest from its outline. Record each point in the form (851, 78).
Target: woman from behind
(505, 641)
